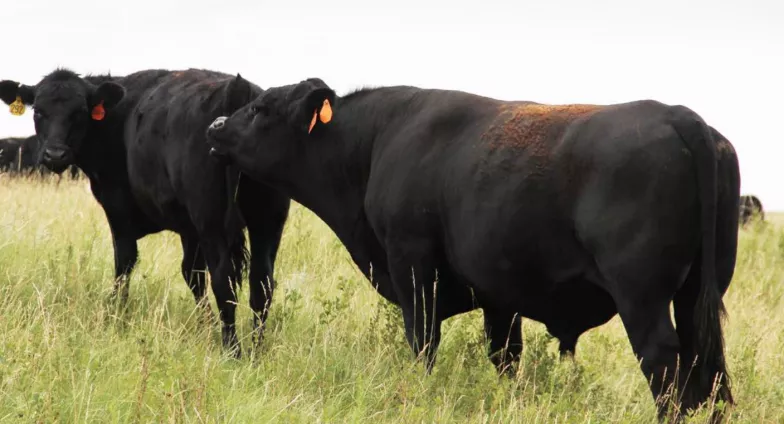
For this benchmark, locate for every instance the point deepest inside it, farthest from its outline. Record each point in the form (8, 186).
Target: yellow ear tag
(326, 112)
(17, 107)
(313, 121)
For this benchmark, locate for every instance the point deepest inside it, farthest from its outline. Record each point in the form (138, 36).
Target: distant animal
(21, 156)
(750, 208)
(16, 156)
(566, 214)
(140, 139)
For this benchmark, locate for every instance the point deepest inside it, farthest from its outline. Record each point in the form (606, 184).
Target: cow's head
(273, 128)
(64, 108)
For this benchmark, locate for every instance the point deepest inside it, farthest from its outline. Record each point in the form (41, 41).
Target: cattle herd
(447, 202)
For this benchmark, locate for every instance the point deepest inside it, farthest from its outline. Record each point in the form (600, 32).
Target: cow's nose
(218, 123)
(54, 154)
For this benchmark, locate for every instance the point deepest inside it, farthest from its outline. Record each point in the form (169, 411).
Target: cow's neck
(331, 174)
(102, 155)
(333, 185)
(331, 170)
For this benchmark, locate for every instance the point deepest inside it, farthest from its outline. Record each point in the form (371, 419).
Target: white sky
(724, 60)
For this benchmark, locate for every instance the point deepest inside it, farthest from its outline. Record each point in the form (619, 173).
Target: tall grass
(334, 350)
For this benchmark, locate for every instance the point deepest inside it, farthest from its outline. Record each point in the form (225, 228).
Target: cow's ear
(10, 90)
(316, 107)
(236, 95)
(108, 94)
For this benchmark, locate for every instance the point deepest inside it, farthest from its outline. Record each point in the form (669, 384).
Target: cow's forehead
(273, 96)
(61, 93)
(280, 96)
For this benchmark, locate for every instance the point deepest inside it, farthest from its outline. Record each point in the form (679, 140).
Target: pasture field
(334, 350)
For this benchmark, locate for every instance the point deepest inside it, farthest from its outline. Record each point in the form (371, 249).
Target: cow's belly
(155, 197)
(520, 264)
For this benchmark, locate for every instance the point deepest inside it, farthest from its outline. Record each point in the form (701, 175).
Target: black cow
(750, 207)
(28, 162)
(563, 214)
(140, 140)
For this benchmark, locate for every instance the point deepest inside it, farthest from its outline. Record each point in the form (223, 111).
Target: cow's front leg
(414, 278)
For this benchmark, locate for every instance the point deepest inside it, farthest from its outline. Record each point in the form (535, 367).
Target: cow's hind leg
(194, 271)
(655, 343)
(642, 286)
(126, 254)
(194, 267)
(504, 330)
(697, 385)
(219, 262)
(643, 281)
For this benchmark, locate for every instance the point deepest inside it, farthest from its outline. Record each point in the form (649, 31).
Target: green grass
(334, 351)
(776, 218)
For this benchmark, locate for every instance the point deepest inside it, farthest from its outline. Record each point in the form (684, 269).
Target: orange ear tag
(313, 121)
(98, 112)
(17, 108)
(326, 112)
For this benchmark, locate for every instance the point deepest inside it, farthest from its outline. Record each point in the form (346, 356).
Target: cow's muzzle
(212, 140)
(217, 124)
(57, 158)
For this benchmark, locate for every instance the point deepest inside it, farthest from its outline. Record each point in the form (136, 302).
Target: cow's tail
(728, 214)
(235, 229)
(710, 369)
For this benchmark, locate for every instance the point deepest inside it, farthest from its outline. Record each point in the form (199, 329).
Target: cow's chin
(58, 167)
(220, 156)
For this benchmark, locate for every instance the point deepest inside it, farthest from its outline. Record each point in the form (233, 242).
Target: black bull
(140, 140)
(563, 214)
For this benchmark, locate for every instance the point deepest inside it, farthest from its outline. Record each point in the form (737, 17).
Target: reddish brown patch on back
(533, 131)
(533, 125)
